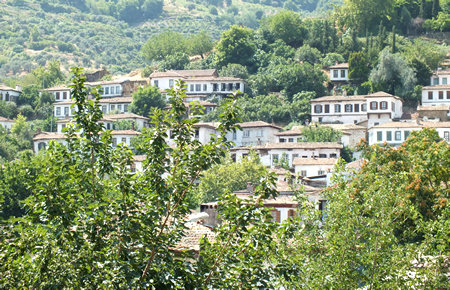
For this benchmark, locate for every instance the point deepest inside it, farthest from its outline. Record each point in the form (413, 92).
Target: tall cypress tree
(436, 8)
(393, 39)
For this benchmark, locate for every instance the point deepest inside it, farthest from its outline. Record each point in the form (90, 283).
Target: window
(374, 105)
(291, 140)
(191, 88)
(66, 111)
(198, 87)
(106, 89)
(335, 73)
(356, 107)
(321, 172)
(171, 83)
(234, 135)
(41, 145)
(322, 205)
(322, 155)
(124, 140)
(282, 140)
(104, 109)
(156, 83)
(119, 107)
(441, 95)
(383, 105)
(448, 95)
(398, 135)
(294, 156)
(447, 136)
(303, 173)
(337, 108)
(379, 136)
(348, 108)
(389, 136)
(57, 95)
(393, 106)
(133, 168)
(58, 111)
(260, 133)
(233, 157)
(333, 155)
(364, 108)
(113, 107)
(65, 95)
(114, 142)
(215, 88)
(238, 86)
(444, 81)
(327, 108)
(274, 158)
(230, 86)
(275, 215)
(223, 87)
(118, 90)
(112, 90)
(291, 213)
(318, 109)
(435, 81)
(125, 108)
(205, 87)
(342, 73)
(246, 133)
(430, 95)
(406, 134)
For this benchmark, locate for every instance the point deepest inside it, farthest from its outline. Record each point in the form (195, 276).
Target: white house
(138, 122)
(41, 139)
(440, 77)
(8, 94)
(63, 110)
(254, 133)
(60, 93)
(395, 133)
(375, 108)
(308, 167)
(118, 88)
(271, 153)
(291, 136)
(339, 73)
(436, 95)
(351, 133)
(198, 82)
(6, 123)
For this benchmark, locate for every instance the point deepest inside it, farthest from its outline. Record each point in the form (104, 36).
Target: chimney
(250, 188)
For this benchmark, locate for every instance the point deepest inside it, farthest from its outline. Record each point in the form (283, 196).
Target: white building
(291, 136)
(198, 82)
(436, 95)
(271, 153)
(440, 77)
(254, 133)
(138, 122)
(395, 133)
(60, 93)
(8, 94)
(308, 167)
(6, 123)
(375, 108)
(351, 133)
(42, 139)
(339, 73)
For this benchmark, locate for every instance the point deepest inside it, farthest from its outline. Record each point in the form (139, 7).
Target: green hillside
(96, 33)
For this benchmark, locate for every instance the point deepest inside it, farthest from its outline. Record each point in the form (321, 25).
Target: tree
(331, 59)
(228, 176)
(287, 26)
(176, 61)
(234, 70)
(200, 44)
(308, 54)
(422, 72)
(164, 44)
(235, 46)
(393, 75)
(317, 133)
(359, 68)
(144, 99)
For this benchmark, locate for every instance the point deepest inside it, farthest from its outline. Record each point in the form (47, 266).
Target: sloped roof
(58, 88)
(125, 116)
(139, 158)
(116, 100)
(6, 88)
(442, 72)
(48, 136)
(256, 124)
(434, 108)
(185, 73)
(340, 65)
(314, 161)
(299, 145)
(3, 119)
(413, 125)
(339, 98)
(289, 133)
(436, 87)
(125, 132)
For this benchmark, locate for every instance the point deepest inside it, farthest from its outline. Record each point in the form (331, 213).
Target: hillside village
(377, 117)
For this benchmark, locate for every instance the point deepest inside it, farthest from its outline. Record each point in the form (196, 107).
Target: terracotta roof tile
(436, 87)
(340, 65)
(314, 161)
(256, 124)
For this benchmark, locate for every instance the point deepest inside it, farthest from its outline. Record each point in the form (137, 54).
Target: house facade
(198, 82)
(272, 154)
(375, 108)
(60, 93)
(254, 133)
(6, 123)
(395, 133)
(8, 94)
(437, 95)
(308, 167)
(339, 73)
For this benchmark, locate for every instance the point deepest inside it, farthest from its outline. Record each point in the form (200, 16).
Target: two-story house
(8, 94)
(395, 133)
(436, 97)
(6, 123)
(307, 167)
(138, 122)
(200, 84)
(272, 154)
(375, 108)
(254, 133)
(339, 73)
